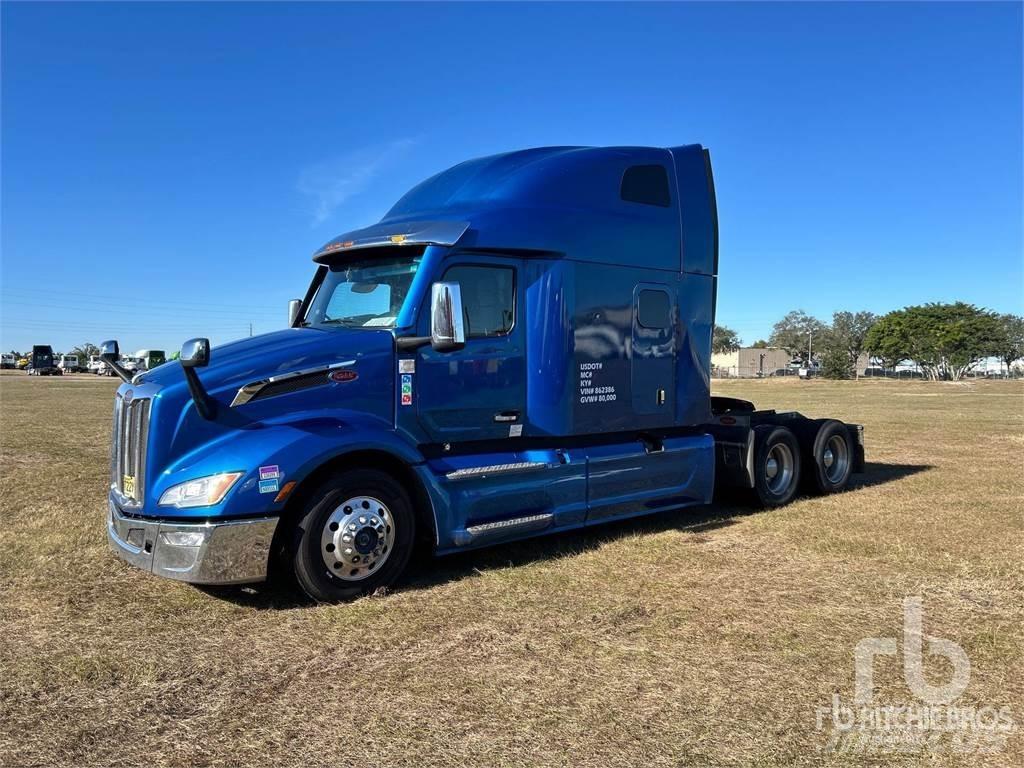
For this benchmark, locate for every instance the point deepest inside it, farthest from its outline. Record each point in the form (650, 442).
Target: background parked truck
(41, 362)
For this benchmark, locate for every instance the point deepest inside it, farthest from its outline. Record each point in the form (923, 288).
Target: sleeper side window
(653, 309)
(647, 184)
(488, 298)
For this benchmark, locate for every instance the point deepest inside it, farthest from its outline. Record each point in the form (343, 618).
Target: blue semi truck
(520, 346)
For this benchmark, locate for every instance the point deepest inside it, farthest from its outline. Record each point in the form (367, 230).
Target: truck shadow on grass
(426, 572)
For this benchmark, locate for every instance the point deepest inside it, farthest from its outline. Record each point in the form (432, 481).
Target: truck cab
(8, 361)
(148, 359)
(520, 346)
(41, 362)
(68, 364)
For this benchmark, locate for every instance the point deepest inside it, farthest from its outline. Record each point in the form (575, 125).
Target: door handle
(506, 416)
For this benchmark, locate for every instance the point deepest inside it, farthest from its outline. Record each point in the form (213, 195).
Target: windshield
(364, 292)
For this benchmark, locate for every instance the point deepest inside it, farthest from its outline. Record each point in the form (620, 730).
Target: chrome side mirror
(195, 353)
(109, 351)
(447, 330)
(293, 311)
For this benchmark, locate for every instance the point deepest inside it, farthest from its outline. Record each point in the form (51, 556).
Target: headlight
(201, 492)
(184, 538)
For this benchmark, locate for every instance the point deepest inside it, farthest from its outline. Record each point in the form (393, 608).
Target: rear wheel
(776, 466)
(355, 536)
(828, 455)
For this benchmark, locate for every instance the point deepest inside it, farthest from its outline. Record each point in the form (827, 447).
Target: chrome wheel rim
(778, 469)
(836, 459)
(357, 538)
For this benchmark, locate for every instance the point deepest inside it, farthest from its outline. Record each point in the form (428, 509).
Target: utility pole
(809, 334)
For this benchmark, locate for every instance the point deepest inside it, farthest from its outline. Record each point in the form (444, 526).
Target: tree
(945, 340)
(760, 344)
(887, 341)
(1011, 344)
(835, 363)
(724, 339)
(84, 352)
(846, 338)
(793, 332)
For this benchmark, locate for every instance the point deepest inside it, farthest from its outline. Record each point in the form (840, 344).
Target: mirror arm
(205, 404)
(410, 343)
(121, 372)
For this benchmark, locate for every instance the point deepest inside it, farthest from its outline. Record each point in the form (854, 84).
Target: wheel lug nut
(362, 519)
(348, 550)
(346, 537)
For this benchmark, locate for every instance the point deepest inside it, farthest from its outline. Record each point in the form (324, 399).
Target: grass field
(705, 637)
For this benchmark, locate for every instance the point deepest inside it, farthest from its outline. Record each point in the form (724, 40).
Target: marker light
(201, 492)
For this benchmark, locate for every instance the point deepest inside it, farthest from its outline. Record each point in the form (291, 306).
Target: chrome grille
(128, 447)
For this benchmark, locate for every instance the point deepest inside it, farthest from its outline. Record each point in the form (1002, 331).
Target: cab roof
(565, 200)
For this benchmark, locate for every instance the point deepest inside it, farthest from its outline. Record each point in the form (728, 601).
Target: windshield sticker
(269, 486)
(270, 472)
(406, 389)
(407, 366)
(515, 430)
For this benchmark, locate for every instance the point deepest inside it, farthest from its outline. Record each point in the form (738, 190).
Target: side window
(653, 309)
(488, 298)
(647, 184)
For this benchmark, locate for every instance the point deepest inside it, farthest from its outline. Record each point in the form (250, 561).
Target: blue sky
(169, 168)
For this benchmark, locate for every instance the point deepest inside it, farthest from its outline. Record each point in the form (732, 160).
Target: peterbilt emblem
(128, 396)
(343, 376)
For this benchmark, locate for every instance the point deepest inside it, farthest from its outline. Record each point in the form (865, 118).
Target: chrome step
(495, 469)
(515, 524)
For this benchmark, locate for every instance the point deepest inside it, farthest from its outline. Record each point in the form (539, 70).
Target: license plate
(128, 485)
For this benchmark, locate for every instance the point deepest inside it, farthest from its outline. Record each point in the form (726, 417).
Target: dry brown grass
(704, 637)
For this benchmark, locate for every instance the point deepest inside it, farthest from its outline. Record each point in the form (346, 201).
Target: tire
(776, 466)
(828, 456)
(342, 550)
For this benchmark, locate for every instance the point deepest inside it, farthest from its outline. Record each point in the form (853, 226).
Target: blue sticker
(268, 486)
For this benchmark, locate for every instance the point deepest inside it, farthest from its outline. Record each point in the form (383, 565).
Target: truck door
(479, 391)
(653, 367)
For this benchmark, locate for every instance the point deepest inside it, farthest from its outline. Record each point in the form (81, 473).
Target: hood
(180, 433)
(241, 362)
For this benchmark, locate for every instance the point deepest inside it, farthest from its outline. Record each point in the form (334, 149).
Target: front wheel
(354, 537)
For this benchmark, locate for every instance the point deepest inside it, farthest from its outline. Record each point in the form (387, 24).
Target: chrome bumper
(232, 552)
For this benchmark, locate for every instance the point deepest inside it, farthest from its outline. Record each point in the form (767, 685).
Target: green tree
(724, 339)
(887, 341)
(945, 340)
(835, 363)
(846, 338)
(84, 352)
(795, 332)
(1011, 344)
(760, 344)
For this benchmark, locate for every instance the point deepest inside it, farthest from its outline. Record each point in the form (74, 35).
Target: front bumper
(230, 552)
